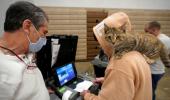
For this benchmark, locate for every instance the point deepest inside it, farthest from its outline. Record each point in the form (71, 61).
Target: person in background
(100, 63)
(157, 68)
(25, 29)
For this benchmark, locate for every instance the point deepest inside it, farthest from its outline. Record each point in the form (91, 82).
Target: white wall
(134, 4)
(4, 4)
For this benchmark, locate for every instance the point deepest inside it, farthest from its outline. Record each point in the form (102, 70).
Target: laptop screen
(65, 73)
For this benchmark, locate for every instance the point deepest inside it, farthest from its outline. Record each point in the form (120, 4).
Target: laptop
(66, 75)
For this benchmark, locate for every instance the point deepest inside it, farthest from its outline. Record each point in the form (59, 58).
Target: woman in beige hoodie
(128, 75)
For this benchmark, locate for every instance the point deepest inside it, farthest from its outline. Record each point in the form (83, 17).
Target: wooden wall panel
(139, 18)
(79, 21)
(93, 17)
(69, 21)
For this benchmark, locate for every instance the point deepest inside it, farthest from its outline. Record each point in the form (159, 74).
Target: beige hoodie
(128, 78)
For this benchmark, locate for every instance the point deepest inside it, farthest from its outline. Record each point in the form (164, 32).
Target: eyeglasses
(31, 63)
(39, 34)
(31, 66)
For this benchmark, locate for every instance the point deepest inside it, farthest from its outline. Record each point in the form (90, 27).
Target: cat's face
(112, 34)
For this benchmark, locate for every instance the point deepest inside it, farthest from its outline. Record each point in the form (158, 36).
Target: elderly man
(25, 28)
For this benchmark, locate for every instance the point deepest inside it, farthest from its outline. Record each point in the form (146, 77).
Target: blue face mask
(35, 47)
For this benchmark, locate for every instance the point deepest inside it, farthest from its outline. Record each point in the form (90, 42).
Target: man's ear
(26, 25)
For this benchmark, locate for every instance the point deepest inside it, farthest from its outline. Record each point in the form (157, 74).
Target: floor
(163, 91)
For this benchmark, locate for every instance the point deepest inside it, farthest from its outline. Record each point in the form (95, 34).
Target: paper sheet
(66, 95)
(55, 50)
(85, 85)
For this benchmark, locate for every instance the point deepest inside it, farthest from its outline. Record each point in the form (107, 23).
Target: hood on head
(115, 21)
